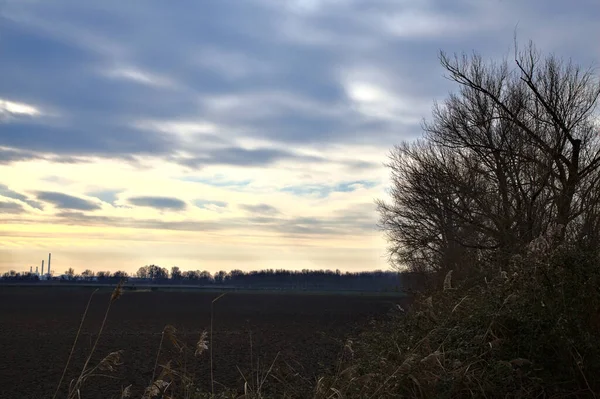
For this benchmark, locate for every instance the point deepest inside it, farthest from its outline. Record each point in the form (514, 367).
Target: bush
(530, 331)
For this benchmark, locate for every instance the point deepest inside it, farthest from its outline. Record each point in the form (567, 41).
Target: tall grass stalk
(212, 377)
(74, 344)
(162, 337)
(82, 376)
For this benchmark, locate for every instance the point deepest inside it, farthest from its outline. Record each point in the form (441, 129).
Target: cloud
(263, 209)
(348, 187)
(289, 99)
(65, 201)
(218, 180)
(108, 196)
(232, 64)
(11, 207)
(324, 190)
(63, 181)
(374, 101)
(162, 203)
(8, 156)
(205, 204)
(297, 80)
(83, 219)
(8, 193)
(102, 139)
(350, 221)
(10, 108)
(138, 76)
(245, 157)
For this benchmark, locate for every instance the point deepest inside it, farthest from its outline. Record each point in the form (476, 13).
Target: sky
(230, 134)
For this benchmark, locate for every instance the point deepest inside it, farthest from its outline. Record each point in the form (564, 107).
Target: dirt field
(38, 325)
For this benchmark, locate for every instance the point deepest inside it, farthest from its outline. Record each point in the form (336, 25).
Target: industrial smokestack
(42, 267)
(36, 270)
(30, 269)
(49, 259)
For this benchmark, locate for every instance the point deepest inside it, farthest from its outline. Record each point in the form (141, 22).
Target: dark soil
(38, 326)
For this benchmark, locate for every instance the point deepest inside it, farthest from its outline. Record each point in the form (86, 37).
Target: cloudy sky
(222, 134)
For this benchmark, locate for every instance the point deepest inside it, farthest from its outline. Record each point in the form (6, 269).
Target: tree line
(267, 278)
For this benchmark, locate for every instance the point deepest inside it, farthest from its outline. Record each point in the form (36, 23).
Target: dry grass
(530, 331)
(212, 376)
(107, 364)
(517, 333)
(169, 380)
(62, 377)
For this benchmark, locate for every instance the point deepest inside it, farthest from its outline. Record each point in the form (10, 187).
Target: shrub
(529, 331)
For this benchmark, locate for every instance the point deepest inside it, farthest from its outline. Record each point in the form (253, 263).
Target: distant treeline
(281, 279)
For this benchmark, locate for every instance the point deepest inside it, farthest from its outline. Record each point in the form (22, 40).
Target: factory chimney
(49, 259)
(30, 269)
(42, 267)
(36, 270)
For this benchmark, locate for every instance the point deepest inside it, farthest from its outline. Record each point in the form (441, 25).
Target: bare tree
(513, 152)
(70, 273)
(88, 274)
(120, 274)
(550, 105)
(176, 273)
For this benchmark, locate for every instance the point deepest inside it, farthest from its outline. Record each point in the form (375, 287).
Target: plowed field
(306, 333)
